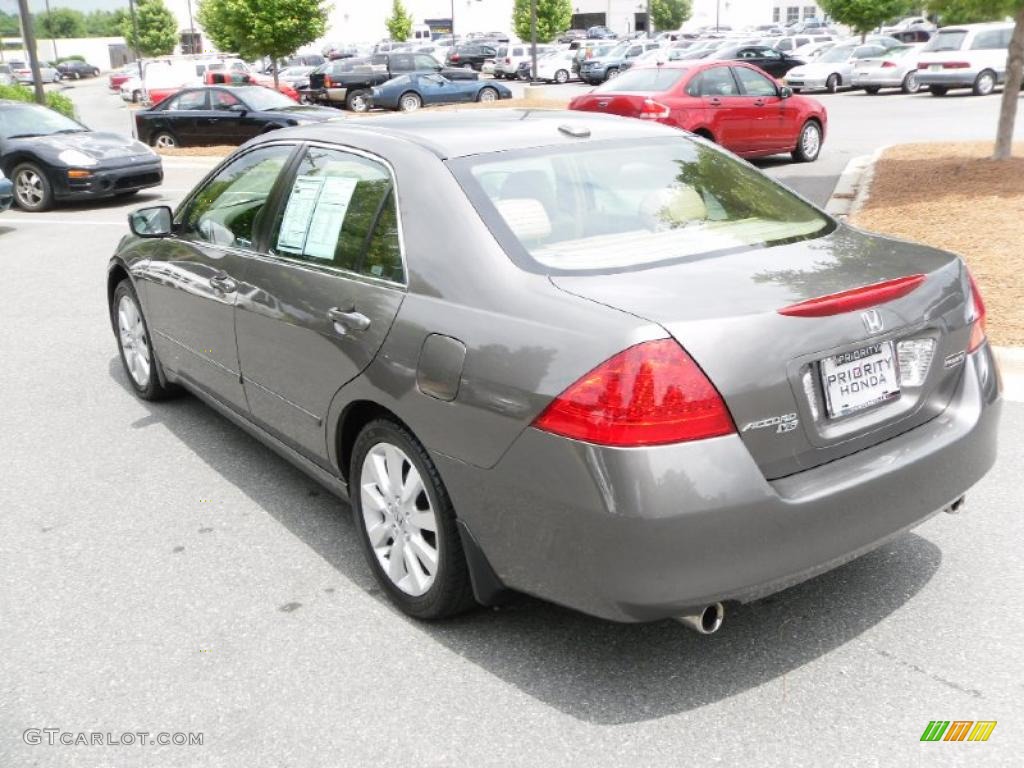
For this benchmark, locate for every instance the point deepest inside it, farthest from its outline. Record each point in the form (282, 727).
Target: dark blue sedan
(410, 92)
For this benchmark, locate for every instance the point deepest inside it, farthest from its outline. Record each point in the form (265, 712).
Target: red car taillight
(977, 314)
(956, 65)
(455, 57)
(653, 110)
(650, 394)
(888, 65)
(856, 298)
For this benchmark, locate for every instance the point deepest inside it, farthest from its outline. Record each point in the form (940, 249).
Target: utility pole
(533, 40)
(191, 30)
(453, 22)
(718, 11)
(135, 37)
(53, 40)
(28, 39)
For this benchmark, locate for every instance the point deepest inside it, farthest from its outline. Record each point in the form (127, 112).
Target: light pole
(53, 39)
(453, 22)
(533, 40)
(135, 37)
(191, 30)
(28, 39)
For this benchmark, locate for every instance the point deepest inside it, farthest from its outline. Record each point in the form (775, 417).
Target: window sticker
(298, 212)
(328, 216)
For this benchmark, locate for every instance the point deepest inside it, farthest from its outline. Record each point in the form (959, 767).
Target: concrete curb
(848, 197)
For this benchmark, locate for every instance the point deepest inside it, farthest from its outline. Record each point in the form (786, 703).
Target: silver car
(593, 359)
(832, 70)
(895, 68)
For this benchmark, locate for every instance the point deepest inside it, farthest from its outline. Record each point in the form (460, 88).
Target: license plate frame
(859, 379)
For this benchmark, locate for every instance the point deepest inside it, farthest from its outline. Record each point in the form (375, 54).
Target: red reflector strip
(856, 298)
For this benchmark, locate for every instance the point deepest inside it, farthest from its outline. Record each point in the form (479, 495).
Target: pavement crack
(937, 678)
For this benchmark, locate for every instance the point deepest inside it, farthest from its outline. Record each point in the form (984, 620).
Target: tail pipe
(706, 621)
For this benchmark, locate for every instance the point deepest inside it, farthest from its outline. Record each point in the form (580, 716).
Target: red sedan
(729, 102)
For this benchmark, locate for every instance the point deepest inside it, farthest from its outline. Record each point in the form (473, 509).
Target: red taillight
(650, 394)
(977, 315)
(653, 110)
(857, 298)
(888, 65)
(955, 65)
(328, 83)
(455, 57)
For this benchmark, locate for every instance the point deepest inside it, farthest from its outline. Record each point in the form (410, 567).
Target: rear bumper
(876, 81)
(957, 78)
(644, 534)
(105, 182)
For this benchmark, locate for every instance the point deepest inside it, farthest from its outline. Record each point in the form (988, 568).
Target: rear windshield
(947, 40)
(653, 80)
(626, 204)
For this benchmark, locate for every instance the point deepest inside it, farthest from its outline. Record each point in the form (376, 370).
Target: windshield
(835, 55)
(653, 80)
(947, 40)
(628, 204)
(260, 98)
(32, 120)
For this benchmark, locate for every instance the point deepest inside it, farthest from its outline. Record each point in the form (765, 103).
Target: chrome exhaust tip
(956, 507)
(707, 621)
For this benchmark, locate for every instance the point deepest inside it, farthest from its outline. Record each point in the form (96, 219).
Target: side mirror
(239, 109)
(157, 221)
(785, 92)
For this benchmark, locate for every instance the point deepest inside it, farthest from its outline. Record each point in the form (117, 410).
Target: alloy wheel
(985, 84)
(134, 342)
(810, 140)
(910, 84)
(399, 519)
(165, 141)
(28, 186)
(410, 103)
(487, 94)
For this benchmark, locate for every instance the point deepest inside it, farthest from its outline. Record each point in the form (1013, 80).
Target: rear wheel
(358, 100)
(407, 523)
(833, 82)
(910, 82)
(984, 83)
(410, 102)
(561, 77)
(32, 189)
(808, 146)
(487, 95)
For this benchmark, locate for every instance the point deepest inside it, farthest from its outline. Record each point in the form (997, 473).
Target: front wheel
(910, 83)
(133, 342)
(984, 83)
(32, 189)
(358, 101)
(808, 145)
(833, 82)
(613, 72)
(561, 77)
(407, 523)
(487, 95)
(164, 140)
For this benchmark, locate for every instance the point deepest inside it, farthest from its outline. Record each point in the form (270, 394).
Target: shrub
(72, 57)
(55, 101)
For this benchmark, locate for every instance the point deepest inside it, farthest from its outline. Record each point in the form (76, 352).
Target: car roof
(461, 133)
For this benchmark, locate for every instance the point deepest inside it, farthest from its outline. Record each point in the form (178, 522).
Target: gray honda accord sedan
(583, 357)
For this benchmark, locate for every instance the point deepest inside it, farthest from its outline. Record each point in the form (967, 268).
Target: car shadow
(139, 199)
(593, 670)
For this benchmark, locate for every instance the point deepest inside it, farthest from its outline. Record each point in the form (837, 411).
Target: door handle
(223, 283)
(715, 102)
(759, 102)
(348, 319)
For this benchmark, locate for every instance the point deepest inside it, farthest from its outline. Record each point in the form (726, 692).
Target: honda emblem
(872, 321)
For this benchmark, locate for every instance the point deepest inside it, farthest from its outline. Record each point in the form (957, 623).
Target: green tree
(257, 28)
(553, 18)
(960, 11)
(158, 29)
(864, 15)
(670, 14)
(60, 22)
(9, 25)
(104, 23)
(399, 23)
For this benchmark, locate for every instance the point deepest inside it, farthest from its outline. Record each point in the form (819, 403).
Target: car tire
(358, 101)
(938, 90)
(385, 452)
(808, 143)
(410, 102)
(164, 140)
(871, 90)
(136, 97)
(561, 77)
(833, 82)
(910, 83)
(33, 191)
(984, 83)
(138, 357)
(487, 94)
(612, 73)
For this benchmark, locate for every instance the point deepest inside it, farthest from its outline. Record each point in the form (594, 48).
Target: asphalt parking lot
(161, 571)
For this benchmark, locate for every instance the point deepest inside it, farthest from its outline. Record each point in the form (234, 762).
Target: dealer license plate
(935, 67)
(859, 379)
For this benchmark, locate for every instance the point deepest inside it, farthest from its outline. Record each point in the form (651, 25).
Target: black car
(600, 32)
(470, 55)
(572, 34)
(50, 157)
(222, 115)
(774, 62)
(77, 69)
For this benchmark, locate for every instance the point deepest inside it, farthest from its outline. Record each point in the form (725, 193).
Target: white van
(965, 56)
(420, 34)
(510, 55)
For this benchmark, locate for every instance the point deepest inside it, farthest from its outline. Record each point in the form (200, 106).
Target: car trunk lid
(626, 104)
(771, 368)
